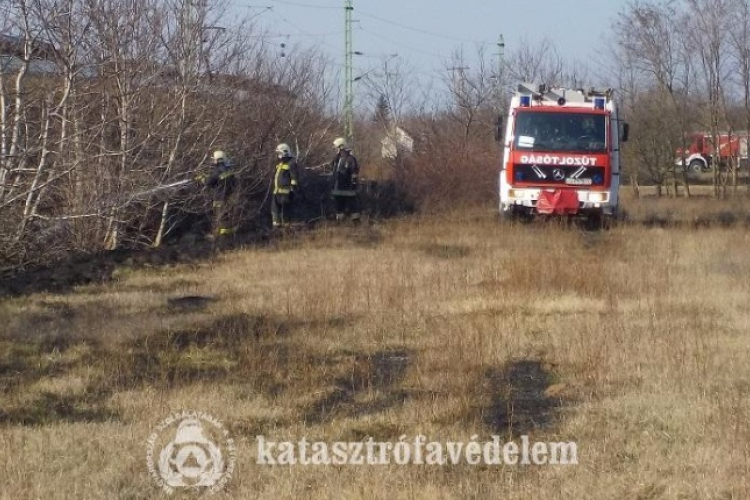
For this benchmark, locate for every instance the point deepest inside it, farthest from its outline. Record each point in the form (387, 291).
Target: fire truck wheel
(509, 215)
(696, 166)
(505, 216)
(594, 222)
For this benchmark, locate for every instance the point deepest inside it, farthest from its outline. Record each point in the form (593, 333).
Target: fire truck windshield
(570, 132)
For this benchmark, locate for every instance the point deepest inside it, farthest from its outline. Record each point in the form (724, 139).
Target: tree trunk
(636, 187)
(162, 225)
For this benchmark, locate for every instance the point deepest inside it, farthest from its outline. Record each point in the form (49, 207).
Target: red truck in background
(699, 150)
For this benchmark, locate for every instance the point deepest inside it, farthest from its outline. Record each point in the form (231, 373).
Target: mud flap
(558, 202)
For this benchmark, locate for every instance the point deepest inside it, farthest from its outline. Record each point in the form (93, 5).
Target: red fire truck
(700, 150)
(561, 153)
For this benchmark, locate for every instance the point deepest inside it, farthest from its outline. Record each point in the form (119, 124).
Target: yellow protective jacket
(286, 177)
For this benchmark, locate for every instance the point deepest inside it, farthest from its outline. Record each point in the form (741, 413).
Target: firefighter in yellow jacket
(284, 184)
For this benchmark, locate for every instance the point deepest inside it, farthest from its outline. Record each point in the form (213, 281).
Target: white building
(398, 142)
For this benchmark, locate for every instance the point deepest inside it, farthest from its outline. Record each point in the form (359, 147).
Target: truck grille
(558, 175)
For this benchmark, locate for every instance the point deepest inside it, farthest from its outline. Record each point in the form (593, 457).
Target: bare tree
(473, 92)
(536, 63)
(650, 34)
(391, 85)
(708, 38)
(740, 42)
(104, 105)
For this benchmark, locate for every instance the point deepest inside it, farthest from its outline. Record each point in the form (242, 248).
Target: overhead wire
(321, 38)
(306, 5)
(398, 24)
(297, 35)
(420, 30)
(401, 44)
(383, 20)
(295, 26)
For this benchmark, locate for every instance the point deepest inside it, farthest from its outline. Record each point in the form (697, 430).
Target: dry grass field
(633, 342)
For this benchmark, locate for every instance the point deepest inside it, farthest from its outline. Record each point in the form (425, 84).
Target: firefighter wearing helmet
(284, 185)
(345, 181)
(221, 182)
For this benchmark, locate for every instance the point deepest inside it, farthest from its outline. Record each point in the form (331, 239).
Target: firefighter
(222, 183)
(345, 181)
(284, 185)
(588, 127)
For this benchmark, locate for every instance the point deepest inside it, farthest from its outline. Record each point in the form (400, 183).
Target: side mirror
(499, 129)
(625, 131)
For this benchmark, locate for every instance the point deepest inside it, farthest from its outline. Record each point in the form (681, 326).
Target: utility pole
(348, 73)
(500, 74)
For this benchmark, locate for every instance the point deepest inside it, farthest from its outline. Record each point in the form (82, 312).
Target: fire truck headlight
(519, 194)
(598, 197)
(522, 194)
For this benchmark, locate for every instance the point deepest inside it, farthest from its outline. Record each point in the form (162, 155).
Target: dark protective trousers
(346, 204)
(224, 218)
(281, 209)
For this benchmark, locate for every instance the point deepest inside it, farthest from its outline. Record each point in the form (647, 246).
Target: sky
(424, 34)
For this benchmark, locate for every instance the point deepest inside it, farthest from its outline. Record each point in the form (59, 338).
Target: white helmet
(283, 150)
(339, 143)
(219, 156)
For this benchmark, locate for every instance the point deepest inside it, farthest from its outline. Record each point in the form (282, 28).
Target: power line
(388, 21)
(375, 34)
(306, 5)
(297, 35)
(401, 44)
(420, 30)
(293, 25)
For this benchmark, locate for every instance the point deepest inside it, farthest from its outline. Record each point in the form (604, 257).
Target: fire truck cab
(561, 153)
